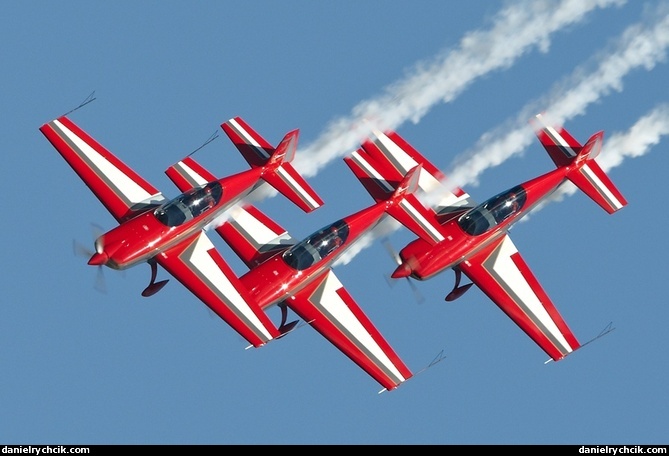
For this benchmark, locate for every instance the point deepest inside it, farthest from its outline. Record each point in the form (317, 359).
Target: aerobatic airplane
(172, 232)
(297, 274)
(282, 272)
(473, 239)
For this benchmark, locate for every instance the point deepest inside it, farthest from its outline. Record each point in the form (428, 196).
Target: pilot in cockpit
(200, 201)
(208, 200)
(331, 241)
(505, 207)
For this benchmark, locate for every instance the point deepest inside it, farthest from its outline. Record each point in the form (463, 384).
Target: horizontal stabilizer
(365, 169)
(560, 145)
(187, 174)
(584, 171)
(594, 182)
(287, 181)
(410, 212)
(406, 208)
(253, 147)
(381, 163)
(277, 169)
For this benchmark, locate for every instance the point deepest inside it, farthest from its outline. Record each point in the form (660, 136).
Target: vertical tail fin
(279, 172)
(584, 171)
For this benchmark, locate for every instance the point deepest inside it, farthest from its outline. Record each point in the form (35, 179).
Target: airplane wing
(197, 264)
(387, 158)
(324, 303)
(501, 273)
(329, 309)
(121, 190)
(253, 236)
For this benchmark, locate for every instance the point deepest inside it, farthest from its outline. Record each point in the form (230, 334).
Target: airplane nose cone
(98, 259)
(403, 270)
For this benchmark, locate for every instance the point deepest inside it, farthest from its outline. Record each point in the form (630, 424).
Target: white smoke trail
(639, 46)
(635, 142)
(516, 29)
(644, 134)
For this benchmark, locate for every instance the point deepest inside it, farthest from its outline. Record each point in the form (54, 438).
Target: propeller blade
(82, 251)
(418, 296)
(96, 231)
(100, 281)
(391, 251)
(396, 257)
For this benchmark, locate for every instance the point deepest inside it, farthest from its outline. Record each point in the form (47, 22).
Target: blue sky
(458, 80)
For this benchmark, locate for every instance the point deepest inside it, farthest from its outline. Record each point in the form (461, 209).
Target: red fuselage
(285, 274)
(421, 260)
(139, 239)
(144, 236)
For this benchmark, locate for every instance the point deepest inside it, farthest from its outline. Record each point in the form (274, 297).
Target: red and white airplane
(282, 272)
(172, 232)
(297, 274)
(474, 240)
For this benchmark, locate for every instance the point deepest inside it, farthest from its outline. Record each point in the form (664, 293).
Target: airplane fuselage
(287, 272)
(476, 228)
(156, 230)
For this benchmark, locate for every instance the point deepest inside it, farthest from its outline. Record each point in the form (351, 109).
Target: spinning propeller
(82, 251)
(396, 257)
(457, 291)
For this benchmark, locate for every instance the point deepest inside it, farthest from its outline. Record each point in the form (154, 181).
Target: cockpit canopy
(317, 246)
(190, 204)
(493, 211)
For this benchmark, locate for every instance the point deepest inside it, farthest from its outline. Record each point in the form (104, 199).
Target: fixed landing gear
(285, 328)
(154, 287)
(457, 290)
